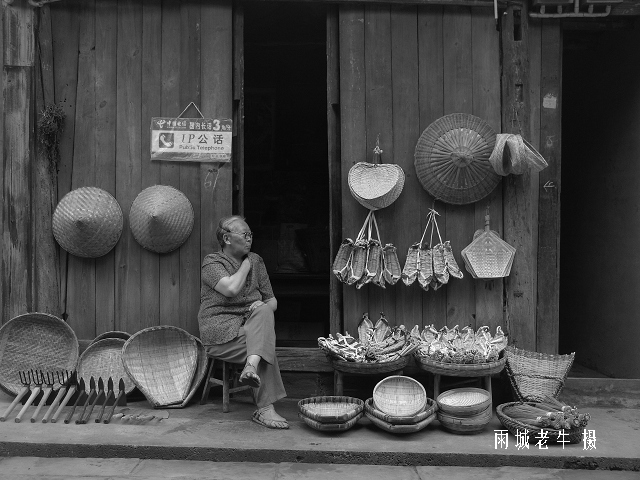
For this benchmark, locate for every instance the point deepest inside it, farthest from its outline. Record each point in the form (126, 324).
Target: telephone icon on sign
(165, 140)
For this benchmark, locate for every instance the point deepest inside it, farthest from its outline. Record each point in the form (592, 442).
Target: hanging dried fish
(381, 330)
(365, 329)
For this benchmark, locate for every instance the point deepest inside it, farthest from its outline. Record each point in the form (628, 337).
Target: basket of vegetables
(549, 419)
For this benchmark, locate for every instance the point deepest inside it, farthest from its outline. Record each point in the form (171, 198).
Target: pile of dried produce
(431, 265)
(375, 344)
(549, 413)
(366, 260)
(452, 345)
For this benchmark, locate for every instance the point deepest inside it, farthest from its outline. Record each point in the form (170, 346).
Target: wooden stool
(230, 375)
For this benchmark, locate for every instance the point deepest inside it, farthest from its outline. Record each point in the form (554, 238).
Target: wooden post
(520, 191)
(18, 42)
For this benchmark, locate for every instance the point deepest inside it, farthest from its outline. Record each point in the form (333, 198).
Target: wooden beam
(458, 3)
(520, 191)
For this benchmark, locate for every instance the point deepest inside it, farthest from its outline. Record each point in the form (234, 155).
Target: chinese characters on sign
(501, 439)
(191, 139)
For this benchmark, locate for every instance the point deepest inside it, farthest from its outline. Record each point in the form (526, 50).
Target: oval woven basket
(399, 396)
(330, 427)
(162, 362)
(452, 159)
(87, 222)
(464, 402)
(465, 425)
(201, 370)
(161, 218)
(460, 369)
(104, 359)
(429, 409)
(330, 409)
(399, 428)
(37, 341)
(112, 334)
(376, 185)
(372, 368)
(517, 427)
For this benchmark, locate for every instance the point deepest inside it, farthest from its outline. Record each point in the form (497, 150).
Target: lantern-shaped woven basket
(162, 362)
(399, 396)
(37, 341)
(488, 256)
(452, 159)
(87, 222)
(534, 375)
(104, 359)
(376, 185)
(161, 218)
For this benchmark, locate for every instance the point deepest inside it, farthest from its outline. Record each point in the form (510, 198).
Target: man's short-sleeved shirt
(220, 317)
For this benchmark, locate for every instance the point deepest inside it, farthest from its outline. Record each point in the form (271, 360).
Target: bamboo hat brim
(161, 218)
(87, 222)
(452, 159)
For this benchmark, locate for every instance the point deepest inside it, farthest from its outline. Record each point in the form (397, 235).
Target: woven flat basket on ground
(452, 159)
(429, 409)
(459, 369)
(331, 409)
(161, 218)
(112, 334)
(201, 370)
(534, 433)
(162, 362)
(399, 428)
(464, 402)
(534, 375)
(369, 368)
(330, 427)
(37, 341)
(399, 396)
(465, 424)
(87, 222)
(104, 359)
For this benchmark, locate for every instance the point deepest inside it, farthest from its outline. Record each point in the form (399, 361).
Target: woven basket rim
(145, 389)
(366, 367)
(105, 343)
(12, 388)
(111, 334)
(417, 407)
(460, 369)
(464, 409)
(398, 428)
(511, 424)
(330, 427)
(430, 408)
(356, 403)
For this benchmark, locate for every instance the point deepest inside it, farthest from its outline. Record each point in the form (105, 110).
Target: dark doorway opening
(600, 206)
(286, 175)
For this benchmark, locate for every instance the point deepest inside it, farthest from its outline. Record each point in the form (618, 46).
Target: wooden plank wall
(401, 68)
(117, 63)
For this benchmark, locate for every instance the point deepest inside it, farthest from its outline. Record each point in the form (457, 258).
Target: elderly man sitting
(236, 316)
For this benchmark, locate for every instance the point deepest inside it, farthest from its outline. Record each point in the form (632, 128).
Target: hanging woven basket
(376, 185)
(452, 159)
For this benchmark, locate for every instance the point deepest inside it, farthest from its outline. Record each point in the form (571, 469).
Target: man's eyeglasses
(246, 235)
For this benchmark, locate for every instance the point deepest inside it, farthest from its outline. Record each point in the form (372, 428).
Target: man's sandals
(268, 417)
(249, 376)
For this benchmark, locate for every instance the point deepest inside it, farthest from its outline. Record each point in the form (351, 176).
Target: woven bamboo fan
(162, 362)
(161, 218)
(452, 159)
(376, 185)
(104, 359)
(87, 222)
(488, 256)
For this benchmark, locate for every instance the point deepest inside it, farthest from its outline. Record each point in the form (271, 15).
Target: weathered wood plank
(190, 172)
(237, 193)
(66, 28)
(431, 99)
(486, 105)
(519, 211)
(16, 268)
(547, 319)
(169, 171)
(19, 47)
(81, 280)
(463, 3)
(379, 118)
(105, 132)
(4, 286)
(459, 220)
(335, 172)
(128, 168)
(353, 145)
(151, 94)
(302, 360)
(406, 130)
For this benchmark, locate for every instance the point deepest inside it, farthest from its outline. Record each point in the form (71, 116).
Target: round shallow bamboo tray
(331, 409)
(399, 428)
(429, 409)
(399, 396)
(460, 369)
(465, 425)
(369, 368)
(330, 427)
(533, 432)
(464, 402)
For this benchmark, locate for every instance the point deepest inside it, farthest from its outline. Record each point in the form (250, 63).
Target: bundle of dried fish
(454, 345)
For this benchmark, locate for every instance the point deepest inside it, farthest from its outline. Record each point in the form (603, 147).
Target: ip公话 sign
(191, 139)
